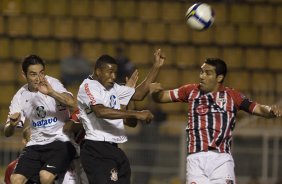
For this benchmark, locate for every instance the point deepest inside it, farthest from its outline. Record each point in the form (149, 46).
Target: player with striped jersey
(212, 110)
(44, 104)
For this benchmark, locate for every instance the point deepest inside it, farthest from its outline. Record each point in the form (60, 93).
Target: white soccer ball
(200, 16)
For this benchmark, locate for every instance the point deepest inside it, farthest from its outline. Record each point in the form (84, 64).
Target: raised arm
(143, 88)
(63, 98)
(159, 94)
(267, 111)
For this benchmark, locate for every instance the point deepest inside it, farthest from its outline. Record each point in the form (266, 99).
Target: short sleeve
(89, 94)
(124, 93)
(181, 94)
(15, 107)
(57, 85)
(241, 101)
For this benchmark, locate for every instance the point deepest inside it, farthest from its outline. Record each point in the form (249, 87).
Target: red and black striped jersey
(211, 116)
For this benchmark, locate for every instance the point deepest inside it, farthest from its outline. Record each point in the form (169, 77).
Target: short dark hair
(220, 66)
(31, 60)
(105, 59)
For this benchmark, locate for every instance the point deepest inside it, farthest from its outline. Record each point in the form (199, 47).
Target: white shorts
(210, 167)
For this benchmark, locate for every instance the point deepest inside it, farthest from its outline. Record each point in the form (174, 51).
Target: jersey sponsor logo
(202, 109)
(41, 113)
(113, 101)
(87, 90)
(45, 122)
(114, 174)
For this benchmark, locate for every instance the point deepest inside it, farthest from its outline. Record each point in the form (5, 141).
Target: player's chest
(39, 105)
(111, 100)
(215, 103)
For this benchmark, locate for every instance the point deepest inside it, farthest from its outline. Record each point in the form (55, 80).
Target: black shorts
(54, 158)
(104, 163)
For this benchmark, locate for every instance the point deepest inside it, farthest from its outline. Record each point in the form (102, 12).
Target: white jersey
(91, 92)
(45, 115)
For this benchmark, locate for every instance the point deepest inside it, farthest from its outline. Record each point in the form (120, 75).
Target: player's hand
(155, 87)
(145, 116)
(275, 109)
(44, 86)
(131, 82)
(15, 118)
(159, 58)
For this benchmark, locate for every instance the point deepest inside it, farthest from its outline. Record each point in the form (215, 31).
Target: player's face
(32, 76)
(208, 78)
(107, 75)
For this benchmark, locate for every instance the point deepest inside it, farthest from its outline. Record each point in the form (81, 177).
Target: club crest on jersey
(41, 113)
(113, 101)
(202, 109)
(220, 102)
(114, 174)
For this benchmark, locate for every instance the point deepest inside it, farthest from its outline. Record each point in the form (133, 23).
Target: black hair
(31, 60)
(105, 59)
(220, 66)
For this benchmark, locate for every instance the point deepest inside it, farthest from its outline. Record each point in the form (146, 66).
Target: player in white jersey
(44, 104)
(100, 102)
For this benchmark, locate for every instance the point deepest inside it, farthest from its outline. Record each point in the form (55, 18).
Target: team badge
(221, 102)
(40, 112)
(114, 174)
(112, 101)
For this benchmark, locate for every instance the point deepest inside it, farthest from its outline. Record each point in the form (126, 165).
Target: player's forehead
(109, 66)
(35, 68)
(207, 67)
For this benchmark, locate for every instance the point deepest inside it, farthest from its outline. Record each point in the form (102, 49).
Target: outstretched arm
(143, 88)
(109, 113)
(158, 94)
(131, 122)
(267, 111)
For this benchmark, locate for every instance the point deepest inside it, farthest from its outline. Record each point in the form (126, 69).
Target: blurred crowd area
(246, 34)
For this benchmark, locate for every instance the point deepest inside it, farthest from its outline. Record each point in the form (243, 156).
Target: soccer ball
(200, 16)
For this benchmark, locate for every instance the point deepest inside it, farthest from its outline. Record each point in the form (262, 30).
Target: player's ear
(219, 78)
(97, 71)
(24, 75)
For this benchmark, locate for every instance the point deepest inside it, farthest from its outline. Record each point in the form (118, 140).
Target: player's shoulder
(190, 86)
(22, 91)
(231, 90)
(88, 84)
(52, 80)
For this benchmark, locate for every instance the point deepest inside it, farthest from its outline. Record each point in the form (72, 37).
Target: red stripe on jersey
(89, 94)
(203, 123)
(191, 133)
